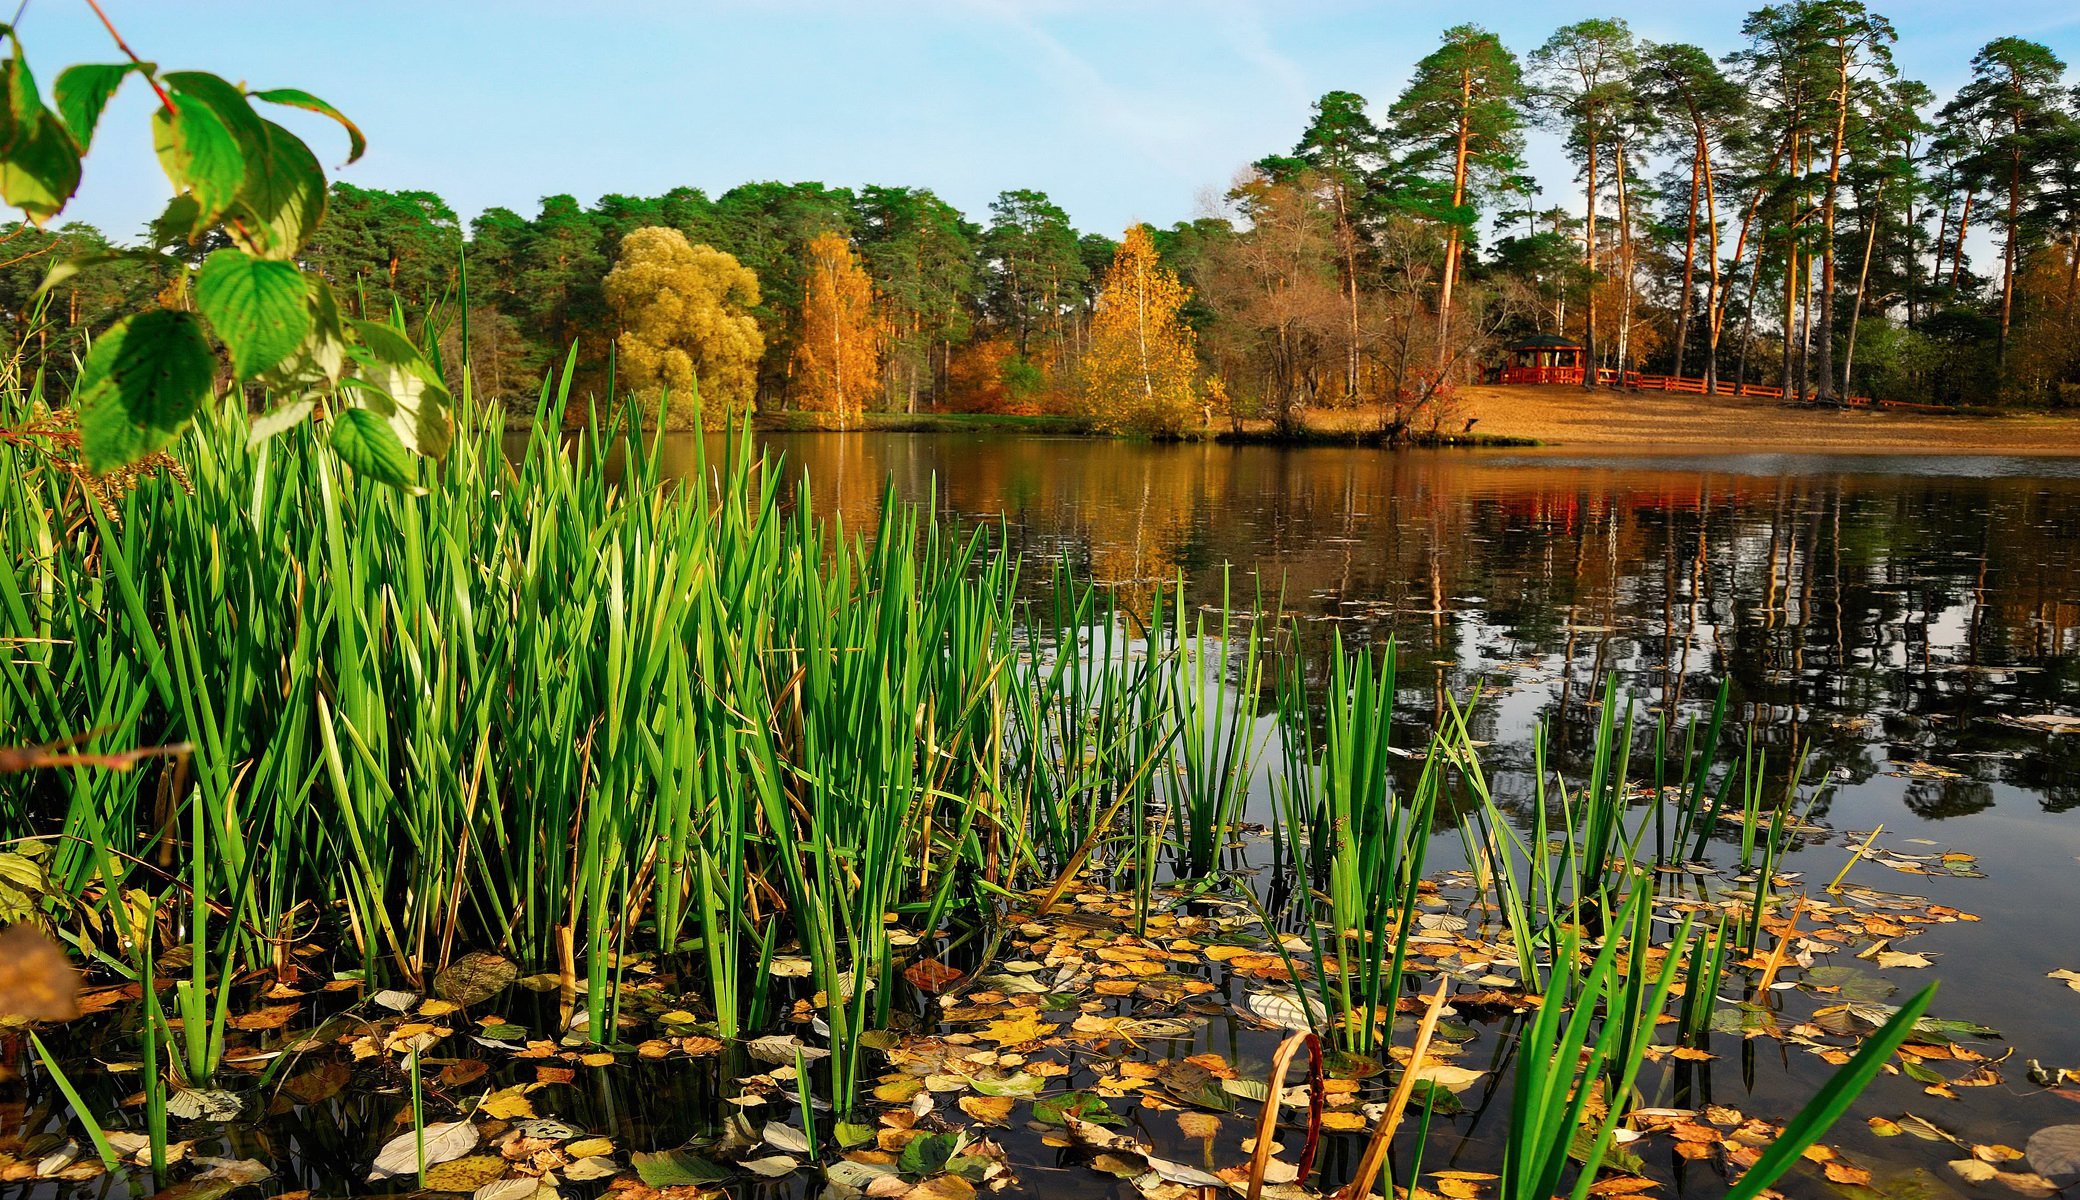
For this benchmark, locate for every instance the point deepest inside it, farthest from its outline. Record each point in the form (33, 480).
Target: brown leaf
(37, 981)
(931, 975)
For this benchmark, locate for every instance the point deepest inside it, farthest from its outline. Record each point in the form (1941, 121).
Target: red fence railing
(1642, 382)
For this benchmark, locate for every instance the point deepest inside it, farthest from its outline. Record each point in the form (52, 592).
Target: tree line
(1793, 212)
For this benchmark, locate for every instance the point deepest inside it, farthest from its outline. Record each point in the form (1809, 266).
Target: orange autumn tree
(837, 361)
(1141, 371)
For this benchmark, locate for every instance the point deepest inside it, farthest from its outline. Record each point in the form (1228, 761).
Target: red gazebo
(1543, 358)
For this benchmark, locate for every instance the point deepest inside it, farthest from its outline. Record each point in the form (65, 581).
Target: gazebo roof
(1545, 341)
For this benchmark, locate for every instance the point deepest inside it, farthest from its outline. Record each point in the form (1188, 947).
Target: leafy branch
(252, 194)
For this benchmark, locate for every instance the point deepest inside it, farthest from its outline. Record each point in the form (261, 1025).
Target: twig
(124, 46)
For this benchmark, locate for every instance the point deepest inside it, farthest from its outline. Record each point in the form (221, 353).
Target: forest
(1791, 212)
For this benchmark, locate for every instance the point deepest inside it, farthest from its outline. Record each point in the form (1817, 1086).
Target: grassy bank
(1033, 423)
(692, 757)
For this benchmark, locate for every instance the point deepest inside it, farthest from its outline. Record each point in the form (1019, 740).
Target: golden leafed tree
(1141, 371)
(685, 317)
(837, 359)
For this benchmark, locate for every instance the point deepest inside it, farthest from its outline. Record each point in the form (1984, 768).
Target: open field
(1573, 417)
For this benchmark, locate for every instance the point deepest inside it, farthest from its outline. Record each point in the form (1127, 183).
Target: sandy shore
(1609, 420)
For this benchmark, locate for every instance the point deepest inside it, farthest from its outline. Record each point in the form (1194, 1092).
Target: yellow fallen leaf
(990, 1110)
(507, 1103)
(1025, 1027)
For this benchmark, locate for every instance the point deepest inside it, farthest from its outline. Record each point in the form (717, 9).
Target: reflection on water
(1884, 617)
(1872, 617)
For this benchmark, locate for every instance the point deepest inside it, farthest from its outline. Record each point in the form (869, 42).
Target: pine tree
(837, 359)
(1141, 371)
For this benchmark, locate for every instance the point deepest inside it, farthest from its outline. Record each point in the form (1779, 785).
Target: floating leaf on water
(475, 978)
(781, 1049)
(677, 1168)
(1447, 1076)
(465, 1174)
(395, 999)
(1056, 1110)
(235, 1171)
(785, 1138)
(926, 1154)
(791, 966)
(595, 1167)
(990, 1110)
(1194, 1084)
(847, 1173)
(1175, 1172)
(2055, 1150)
(444, 1142)
(772, 1166)
(1019, 1084)
(203, 1104)
(1292, 1010)
(521, 1188)
(2071, 978)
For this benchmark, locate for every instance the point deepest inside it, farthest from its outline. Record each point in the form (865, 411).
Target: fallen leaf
(2055, 1150)
(990, 1110)
(444, 1141)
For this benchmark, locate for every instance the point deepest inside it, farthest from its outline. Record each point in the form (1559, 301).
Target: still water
(1896, 620)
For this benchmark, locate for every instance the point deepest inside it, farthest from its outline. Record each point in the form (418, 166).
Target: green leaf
(141, 382)
(227, 102)
(201, 158)
(283, 198)
(365, 442)
(322, 359)
(677, 1168)
(396, 381)
(82, 91)
(258, 307)
(926, 1154)
(298, 98)
(39, 162)
(1081, 1105)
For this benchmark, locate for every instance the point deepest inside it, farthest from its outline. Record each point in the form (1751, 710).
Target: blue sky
(1122, 110)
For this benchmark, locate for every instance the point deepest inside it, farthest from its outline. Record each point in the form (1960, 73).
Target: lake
(1897, 619)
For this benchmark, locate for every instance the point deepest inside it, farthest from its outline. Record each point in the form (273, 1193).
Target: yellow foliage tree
(1141, 371)
(837, 359)
(686, 326)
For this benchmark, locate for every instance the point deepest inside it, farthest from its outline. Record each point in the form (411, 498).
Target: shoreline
(1567, 419)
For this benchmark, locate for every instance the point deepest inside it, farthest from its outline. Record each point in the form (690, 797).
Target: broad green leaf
(677, 1168)
(82, 91)
(283, 197)
(926, 1154)
(230, 104)
(398, 382)
(298, 98)
(322, 359)
(39, 162)
(258, 307)
(141, 382)
(200, 157)
(364, 441)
